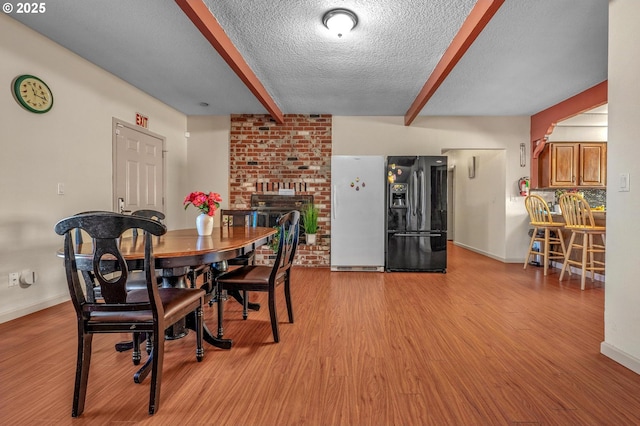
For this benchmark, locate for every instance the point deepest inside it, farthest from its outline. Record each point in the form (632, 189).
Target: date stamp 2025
(21, 8)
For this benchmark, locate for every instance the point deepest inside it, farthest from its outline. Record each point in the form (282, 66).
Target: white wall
(71, 144)
(504, 236)
(622, 292)
(589, 126)
(480, 213)
(208, 157)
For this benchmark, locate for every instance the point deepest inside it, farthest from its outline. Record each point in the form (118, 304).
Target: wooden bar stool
(579, 220)
(542, 221)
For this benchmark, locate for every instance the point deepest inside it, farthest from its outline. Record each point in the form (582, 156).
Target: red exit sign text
(142, 120)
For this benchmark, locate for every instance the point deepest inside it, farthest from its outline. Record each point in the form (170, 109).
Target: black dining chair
(151, 310)
(135, 281)
(266, 278)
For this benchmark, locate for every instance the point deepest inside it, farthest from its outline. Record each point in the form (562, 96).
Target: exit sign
(142, 120)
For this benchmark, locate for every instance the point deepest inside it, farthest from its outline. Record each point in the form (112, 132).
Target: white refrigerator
(357, 213)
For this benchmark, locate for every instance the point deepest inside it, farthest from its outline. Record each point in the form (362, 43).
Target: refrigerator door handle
(334, 202)
(414, 193)
(421, 202)
(415, 234)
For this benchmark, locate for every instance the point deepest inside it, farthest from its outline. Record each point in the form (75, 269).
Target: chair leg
(562, 245)
(156, 370)
(287, 296)
(545, 248)
(83, 363)
(274, 316)
(533, 239)
(592, 265)
(199, 320)
(567, 256)
(585, 245)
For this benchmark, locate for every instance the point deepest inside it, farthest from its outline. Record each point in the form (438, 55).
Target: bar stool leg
(562, 245)
(546, 248)
(567, 255)
(533, 239)
(585, 246)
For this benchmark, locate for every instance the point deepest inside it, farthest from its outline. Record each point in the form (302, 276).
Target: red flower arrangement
(206, 203)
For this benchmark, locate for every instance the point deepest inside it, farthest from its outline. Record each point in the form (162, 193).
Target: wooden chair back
(109, 267)
(576, 211)
(289, 229)
(538, 209)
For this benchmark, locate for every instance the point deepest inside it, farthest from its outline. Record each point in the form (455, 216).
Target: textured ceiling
(531, 55)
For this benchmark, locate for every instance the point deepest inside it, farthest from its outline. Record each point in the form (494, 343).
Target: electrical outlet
(14, 279)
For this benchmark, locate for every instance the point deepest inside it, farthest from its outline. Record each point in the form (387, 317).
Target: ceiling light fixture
(340, 21)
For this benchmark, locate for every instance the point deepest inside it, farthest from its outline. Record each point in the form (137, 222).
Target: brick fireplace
(266, 157)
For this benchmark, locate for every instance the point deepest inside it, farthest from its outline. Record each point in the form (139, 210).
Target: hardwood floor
(486, 343)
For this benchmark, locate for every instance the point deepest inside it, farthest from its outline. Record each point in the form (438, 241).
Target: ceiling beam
(202, 18)
(478, 18)
(543, 122)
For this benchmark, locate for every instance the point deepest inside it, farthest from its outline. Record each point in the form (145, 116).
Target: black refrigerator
(416, 219)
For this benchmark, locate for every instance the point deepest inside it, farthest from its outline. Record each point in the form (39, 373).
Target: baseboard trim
(484, 253)
(26, 310)
(621, 357)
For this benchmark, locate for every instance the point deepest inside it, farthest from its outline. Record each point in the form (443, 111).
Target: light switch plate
(623, 185)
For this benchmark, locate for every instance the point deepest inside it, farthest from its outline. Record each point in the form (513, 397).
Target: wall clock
(32, 94)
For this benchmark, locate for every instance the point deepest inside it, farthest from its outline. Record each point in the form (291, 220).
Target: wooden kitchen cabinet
(573, 164)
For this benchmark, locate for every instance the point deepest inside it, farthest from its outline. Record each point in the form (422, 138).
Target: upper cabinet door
(564, 164)
(573, 164)
(593, 164)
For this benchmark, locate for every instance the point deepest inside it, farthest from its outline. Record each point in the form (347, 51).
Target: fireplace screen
(271, 207)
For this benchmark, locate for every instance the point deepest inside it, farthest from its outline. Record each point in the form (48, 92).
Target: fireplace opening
(271, 207)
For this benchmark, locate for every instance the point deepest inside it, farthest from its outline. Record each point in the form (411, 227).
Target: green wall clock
(32, 94)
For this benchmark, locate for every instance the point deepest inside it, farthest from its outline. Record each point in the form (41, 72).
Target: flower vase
(204, 224)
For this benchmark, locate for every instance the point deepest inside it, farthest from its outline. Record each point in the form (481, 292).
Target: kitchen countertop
(600, 216)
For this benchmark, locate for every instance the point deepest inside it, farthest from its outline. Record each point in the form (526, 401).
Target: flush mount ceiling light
(340, 21)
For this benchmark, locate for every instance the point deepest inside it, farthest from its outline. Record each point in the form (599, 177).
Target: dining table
(179, 251)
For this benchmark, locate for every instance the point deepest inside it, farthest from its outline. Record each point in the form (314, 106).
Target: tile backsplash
(595, 197)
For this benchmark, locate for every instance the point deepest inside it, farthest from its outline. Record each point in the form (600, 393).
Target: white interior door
(138, 169)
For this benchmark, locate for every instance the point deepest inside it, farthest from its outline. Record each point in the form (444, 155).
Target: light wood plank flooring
(485, 344)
